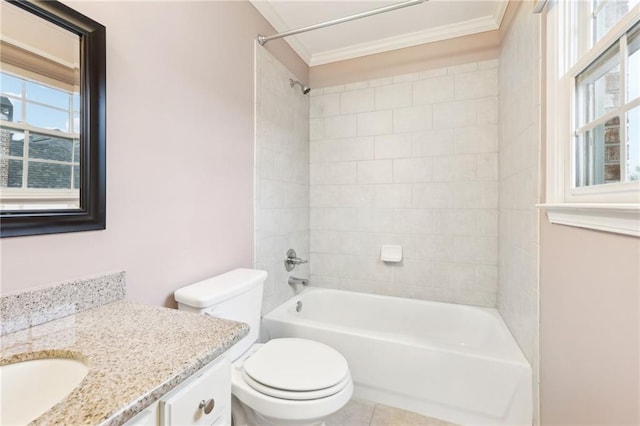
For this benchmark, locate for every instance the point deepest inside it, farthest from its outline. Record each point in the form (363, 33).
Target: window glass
(597, 154)
(607, 135)
(76, 124)
(16, 144)
(17, 110)
(76, 102)
(47, 95)
(633, 144)
(633, 67)
(48, 175)
(76, 150)
(76, 177)
(10, 85)
(607, 13)
(53, 161)
(599, 87)
(15, 174)
(50, 148)
(47, 118)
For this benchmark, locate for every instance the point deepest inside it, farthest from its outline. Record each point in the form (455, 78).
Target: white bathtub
(454, 362)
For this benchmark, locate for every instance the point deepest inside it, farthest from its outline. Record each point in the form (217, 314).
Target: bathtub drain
(298, 306)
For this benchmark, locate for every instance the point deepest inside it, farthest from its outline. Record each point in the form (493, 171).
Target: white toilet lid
(296, 395)
(300, 365)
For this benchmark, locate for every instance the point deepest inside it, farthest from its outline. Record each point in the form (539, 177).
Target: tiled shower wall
(409, 160)
(519, 182)
(281, 176)
(519, 175)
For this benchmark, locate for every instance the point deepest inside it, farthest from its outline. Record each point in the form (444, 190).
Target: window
(40, 147)
(605, 150)
(593, 114)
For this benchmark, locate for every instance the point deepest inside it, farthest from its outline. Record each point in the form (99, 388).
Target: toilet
(287, 381)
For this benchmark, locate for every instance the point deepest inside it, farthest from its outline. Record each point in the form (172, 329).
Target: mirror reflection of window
(40, 113)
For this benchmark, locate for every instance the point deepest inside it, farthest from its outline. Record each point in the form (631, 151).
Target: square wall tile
(393, 146)
(375, 171)
(393, 96)
(409, 160)
(375, 123)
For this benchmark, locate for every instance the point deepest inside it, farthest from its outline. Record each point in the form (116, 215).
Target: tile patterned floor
(367, 413)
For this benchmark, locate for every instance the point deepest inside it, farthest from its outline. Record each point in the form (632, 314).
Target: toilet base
(242, 415)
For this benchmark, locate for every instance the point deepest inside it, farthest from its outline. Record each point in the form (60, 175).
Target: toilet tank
(235, 295)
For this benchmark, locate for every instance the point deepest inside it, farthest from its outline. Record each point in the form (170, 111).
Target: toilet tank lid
(211, 291)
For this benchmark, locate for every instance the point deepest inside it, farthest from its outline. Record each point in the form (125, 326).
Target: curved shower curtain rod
(264, 39)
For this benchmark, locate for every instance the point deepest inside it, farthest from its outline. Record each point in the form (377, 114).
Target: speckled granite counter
(135, 354)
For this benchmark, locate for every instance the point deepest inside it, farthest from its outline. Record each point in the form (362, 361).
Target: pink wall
(590, 327)
(180, 114)
(440, 54)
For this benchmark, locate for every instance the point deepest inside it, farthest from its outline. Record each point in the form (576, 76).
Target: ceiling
(423, 23)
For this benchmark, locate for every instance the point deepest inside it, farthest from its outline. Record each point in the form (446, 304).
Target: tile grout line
(375, 406)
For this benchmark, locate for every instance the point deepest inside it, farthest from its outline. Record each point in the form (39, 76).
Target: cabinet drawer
(204, 399)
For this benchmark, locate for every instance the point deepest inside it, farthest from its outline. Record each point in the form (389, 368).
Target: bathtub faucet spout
(293, 281)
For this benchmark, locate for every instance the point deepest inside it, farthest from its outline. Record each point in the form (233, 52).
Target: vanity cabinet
(203, 399)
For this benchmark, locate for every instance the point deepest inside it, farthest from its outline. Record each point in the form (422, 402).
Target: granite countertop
(135, 354)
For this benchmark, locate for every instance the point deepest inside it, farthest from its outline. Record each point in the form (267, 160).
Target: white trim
(616, 218)
(37, 194)
(22, 126)
(610, 38)
(37, 199)
(619, 111)
(459, 29)
(42, 53)
(270, 14)
(625, 106)
(539, 6)
(443, 32)
(611, 207)
(498, 12)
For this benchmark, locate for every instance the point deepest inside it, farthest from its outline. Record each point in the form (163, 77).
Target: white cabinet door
(204, 399)
(147, 417)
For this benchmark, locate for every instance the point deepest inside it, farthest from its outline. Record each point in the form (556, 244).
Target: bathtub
(453, 362)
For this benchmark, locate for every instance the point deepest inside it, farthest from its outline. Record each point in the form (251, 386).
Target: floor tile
(384, 415)
(355, 413)
(360, 412)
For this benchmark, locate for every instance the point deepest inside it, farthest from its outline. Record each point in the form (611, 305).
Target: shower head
(305, 89)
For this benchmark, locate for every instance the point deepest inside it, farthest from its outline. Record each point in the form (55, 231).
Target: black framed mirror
(52, 120)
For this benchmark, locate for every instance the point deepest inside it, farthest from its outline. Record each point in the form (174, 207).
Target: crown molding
(460, 29)
(472, 26)
(499, 10)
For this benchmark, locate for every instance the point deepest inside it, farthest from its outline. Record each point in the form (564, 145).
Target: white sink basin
(29, 388)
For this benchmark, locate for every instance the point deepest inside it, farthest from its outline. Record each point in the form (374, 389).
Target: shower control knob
(207, 406)
(292, 260)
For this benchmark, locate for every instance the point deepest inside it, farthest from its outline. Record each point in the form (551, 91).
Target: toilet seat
(294, 368)
(282, 410)
(296, 395)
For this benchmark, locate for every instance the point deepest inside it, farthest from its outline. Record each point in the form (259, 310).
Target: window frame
(611, 207)
(26, 198)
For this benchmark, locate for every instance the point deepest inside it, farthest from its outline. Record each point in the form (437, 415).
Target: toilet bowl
(289, 382)
(284, 382)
